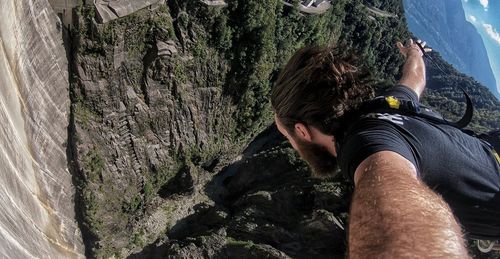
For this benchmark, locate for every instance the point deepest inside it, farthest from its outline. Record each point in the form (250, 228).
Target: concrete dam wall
(37, 218)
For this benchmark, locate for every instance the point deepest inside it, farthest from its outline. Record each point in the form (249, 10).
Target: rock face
(37, 218)
(163, 104)
(443, 25)
(266, 206)
(139, 119)
(162, 101)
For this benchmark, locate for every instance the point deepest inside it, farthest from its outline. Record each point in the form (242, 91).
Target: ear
(335, 146)
(303, 132)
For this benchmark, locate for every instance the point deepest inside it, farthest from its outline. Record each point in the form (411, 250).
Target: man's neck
(327, 141)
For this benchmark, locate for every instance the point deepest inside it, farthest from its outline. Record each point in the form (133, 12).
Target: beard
(322, 163)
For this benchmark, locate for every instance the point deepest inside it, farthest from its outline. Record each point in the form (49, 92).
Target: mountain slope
(443, 25)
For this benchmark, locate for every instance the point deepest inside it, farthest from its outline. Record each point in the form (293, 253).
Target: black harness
(392, 104)
(400, 106)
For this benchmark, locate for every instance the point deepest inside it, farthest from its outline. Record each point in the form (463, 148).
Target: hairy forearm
(394, 215)
(414, 72)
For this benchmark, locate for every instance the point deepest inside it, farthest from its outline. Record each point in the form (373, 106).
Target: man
(397, 162)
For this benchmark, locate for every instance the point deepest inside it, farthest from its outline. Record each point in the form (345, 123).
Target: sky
(485, 16)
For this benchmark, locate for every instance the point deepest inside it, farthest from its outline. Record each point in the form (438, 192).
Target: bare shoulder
(385, 162)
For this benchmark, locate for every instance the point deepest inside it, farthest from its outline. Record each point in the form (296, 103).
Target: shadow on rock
(265, 205)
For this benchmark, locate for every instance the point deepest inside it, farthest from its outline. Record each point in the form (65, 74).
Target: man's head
(316, 87)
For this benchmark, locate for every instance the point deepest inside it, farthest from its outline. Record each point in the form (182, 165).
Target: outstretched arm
(394, 215)
(414, 67)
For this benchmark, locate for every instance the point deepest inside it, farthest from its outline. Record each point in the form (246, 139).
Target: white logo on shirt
(394, 118)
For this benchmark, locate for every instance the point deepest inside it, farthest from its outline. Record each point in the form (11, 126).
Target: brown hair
(317, 86)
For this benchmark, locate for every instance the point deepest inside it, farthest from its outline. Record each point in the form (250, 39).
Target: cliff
(162, 101)
(444, 26)
(167, 130)
(165, 100)
(37, 217)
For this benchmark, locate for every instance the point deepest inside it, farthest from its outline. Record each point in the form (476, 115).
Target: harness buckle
(393, 102)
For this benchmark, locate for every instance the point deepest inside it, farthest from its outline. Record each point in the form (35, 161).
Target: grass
(83, 115)
(94, 163)
(248, 244)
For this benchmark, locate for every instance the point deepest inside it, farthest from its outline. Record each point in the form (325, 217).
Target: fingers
(401, 47)
(422, 43)
(410, 42)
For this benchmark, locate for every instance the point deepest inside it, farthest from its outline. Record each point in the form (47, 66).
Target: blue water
(485, 16)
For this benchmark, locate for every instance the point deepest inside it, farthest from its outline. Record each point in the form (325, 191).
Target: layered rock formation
(138, 119)
(37, 218)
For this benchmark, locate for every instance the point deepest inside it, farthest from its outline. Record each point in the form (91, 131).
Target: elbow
(415, 82)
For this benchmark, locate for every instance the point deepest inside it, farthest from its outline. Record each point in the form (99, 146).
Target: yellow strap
(495, 154)
(393, 102)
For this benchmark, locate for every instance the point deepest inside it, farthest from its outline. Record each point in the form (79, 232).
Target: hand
(412, 48)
